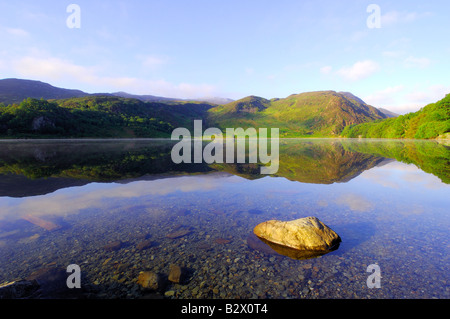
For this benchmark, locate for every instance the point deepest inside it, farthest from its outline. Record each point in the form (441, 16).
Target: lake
(117, 208)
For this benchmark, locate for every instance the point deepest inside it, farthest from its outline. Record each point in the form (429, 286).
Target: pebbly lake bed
(118, 208)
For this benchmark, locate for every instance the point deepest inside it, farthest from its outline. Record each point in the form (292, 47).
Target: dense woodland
(94, 116)
(430, 122)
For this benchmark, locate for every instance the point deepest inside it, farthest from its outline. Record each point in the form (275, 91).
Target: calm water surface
(65, 202)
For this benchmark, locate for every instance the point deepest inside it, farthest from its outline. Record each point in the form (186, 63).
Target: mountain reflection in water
(34, 168)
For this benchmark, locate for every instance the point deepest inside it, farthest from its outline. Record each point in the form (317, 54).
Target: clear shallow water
(386, 209)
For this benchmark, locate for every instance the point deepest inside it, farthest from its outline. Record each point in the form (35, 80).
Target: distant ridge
(388, 113)
(153, 98)
(144, 98)
(16, 90)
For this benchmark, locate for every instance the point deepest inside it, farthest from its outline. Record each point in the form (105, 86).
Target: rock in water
(307, 233)
(113, 246)
(175, 274)
(144, 244)
(150, 280)
(178, 233)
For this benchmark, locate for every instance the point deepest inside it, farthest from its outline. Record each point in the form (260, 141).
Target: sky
(392, 54)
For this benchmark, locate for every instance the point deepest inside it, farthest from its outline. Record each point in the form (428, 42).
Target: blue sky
(192, 49)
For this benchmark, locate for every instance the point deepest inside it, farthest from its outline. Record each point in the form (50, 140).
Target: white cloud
(52, 69)
(384, 97)
(249, 71)
(104, 34)
(55, 69)
(413, 62)
(153, 61)
(390, 18)
(392, 54)
(407, 61)
(17, 32)
(428, 95)
(326, 69)
(358, 35)
(401, 100)
(359, 70)
(394, 17)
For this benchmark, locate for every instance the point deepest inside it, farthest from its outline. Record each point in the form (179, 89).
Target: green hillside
(323, 113)
(96, 116)
(431, 121)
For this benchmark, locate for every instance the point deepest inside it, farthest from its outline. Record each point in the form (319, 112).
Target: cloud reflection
(355, 202)
(97, 195)
(398, 175)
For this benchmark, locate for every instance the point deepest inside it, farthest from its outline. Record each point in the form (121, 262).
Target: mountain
(432, 121)
(352, 97)
(388, 113)
(250, 104)
(358, 100)
(153, 98)
(321, 113)
(16, 90)
(145, 98)
(214, 100)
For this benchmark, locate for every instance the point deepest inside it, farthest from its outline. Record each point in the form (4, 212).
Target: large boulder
(308, 235)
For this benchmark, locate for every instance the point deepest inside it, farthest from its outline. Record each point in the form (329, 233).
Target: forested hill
(96, 116)
(432, 121)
